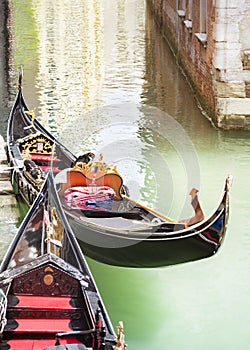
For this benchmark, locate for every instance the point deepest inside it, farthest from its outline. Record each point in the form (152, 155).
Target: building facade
(211, 41)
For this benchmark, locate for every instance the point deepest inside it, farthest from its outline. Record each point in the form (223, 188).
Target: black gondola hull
(148, 246)
(148, 250)
(48, 294)
(148, 253)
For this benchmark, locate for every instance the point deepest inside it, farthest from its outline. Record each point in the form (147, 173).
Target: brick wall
(217, 64)
(247, 87)
(193, 55)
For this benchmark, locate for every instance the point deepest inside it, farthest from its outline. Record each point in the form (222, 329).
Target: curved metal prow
(229, 182)
(20, 79)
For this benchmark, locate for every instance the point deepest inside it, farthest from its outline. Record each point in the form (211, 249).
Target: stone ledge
(7, 200)
(233, 113)
(181, 13)
(4, 172)
(202, 37)
(189, 25)
(3, 158)
(233, 122)
(233, 106)
(233, 89)
(6, 187)
(2, 142)
(9, 213)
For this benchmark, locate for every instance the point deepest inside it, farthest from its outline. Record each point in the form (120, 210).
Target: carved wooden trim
(42, 281)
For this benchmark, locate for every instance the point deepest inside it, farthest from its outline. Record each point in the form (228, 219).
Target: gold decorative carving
(48, 269)
(35, 182)
(120, 339)
(95, 173)
(36, 143)
(33, 282)
(48, 279)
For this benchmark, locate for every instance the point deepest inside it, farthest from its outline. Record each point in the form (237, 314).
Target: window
(189, 9)
(189, 15)
(203, 16)
(202, 35)
(182, 5)
(181, 10)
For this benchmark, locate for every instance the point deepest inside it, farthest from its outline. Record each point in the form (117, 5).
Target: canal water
(101, 78)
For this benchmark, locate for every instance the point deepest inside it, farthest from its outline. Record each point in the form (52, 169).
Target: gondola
(48, 297)
(110, 226)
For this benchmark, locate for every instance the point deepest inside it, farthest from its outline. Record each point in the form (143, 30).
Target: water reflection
(84, 58)
(70, 52)
(124, 56)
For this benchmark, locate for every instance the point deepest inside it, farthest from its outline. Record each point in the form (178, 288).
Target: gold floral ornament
(54, 231)
(32, 114)
(120, 339)
(36, 144)
(26, 154)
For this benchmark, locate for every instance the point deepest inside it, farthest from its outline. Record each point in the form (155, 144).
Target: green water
(102, 76)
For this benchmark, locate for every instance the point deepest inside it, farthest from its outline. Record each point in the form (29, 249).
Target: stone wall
(217, 60)
(231, 66)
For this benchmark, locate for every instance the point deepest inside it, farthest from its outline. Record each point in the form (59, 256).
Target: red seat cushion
(43, 157)
(38, 344)
(38, 325)
(44, 302)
